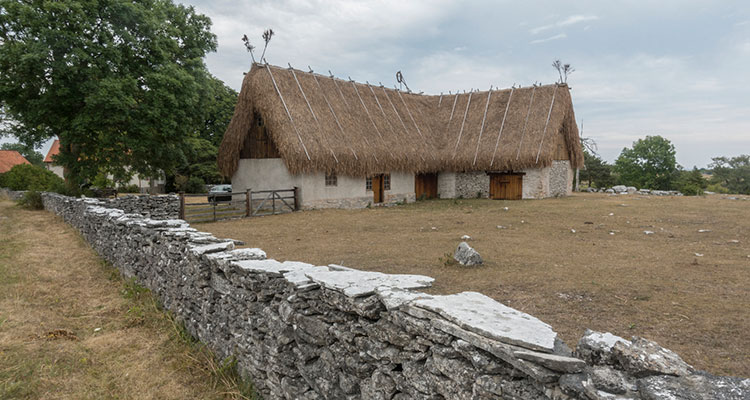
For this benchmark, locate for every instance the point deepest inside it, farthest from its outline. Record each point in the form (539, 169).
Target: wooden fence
(241, 205)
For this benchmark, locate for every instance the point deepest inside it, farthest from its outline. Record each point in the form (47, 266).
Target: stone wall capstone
(301, 331)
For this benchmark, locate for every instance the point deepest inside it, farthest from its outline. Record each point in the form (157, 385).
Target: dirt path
(71, 328)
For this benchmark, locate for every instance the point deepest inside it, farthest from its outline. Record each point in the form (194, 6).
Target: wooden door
(506, 186)
(425, 186)
(377, 189)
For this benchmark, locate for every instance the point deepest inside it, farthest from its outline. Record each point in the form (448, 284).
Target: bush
(31, 177)
(717, 188)
(129, 189)
(195, 185)
(31, 200)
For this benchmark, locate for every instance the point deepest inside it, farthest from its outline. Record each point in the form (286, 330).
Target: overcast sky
(676, 68)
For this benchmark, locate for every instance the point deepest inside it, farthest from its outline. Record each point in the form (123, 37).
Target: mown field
(71, 328)
(579, 262)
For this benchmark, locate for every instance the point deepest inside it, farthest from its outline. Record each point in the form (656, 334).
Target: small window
(368, 184)
(331, 179)
(387, 182)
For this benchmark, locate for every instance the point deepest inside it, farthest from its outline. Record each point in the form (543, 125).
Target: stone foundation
(301, 331)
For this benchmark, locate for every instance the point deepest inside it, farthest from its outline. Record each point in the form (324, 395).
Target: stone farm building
(348, 144)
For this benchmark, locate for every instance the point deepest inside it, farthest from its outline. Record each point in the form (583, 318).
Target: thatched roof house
(324, 125)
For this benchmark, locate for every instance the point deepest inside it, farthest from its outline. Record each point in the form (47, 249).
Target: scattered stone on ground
(466, 255)
(648, 232)
(465, 237)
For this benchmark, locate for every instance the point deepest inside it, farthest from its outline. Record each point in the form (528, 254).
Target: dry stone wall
(301, 331)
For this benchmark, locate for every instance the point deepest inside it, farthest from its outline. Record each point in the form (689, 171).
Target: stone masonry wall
(471, 185)
(300, 331)
(560, 179)
(156, 207)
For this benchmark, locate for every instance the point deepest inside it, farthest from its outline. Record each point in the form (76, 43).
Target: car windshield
(221, 188)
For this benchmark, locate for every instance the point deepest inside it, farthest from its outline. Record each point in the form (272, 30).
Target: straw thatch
(360, 129)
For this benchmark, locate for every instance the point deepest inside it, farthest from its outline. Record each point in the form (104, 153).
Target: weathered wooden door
(377, 188)
(506, 186)
(425, 186)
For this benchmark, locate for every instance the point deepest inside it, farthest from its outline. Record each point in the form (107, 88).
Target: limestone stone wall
(561, 179)
(14, 195)
(302, 331)
(156, 207)
(472, 185)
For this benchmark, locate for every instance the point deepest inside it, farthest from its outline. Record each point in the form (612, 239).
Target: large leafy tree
(28, 152)
(732, 173)
(650, 163)
(118, 81)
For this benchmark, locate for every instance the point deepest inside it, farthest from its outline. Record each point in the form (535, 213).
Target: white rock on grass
(466, 255)
(704, 230)
(648, 232)
(465, 237)
(480, 314)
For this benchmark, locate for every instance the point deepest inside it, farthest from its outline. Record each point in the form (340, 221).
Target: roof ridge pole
(339, 89)
(502, 125)
(410, 116)
(523, 132)
(288, 114)
(466, 112)
(394, 107)
(486, 106)
(399, 116)
(334, 114)
(365, 107)
(381, 107)
(455, 99)
(549, 114)
(309, 107)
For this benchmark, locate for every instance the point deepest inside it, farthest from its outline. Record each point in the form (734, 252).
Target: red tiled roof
(53, 151)
(9, 159)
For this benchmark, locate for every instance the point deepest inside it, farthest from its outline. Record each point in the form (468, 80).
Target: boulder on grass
(465, 255)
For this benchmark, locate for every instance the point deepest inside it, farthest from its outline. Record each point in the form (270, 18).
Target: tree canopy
(650, 163)
(118, 81)
(732, 173)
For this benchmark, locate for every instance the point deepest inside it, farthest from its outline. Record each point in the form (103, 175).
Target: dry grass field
(686, 289)
(71, 328)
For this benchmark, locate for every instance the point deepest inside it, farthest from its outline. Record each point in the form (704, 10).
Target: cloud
(572, 20)
(549, 39)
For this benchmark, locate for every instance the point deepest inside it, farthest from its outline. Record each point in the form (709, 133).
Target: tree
(117, 81)
(691, 183)
(218, 101)
(28, 152)
(651, 163)
(732, 173)
(596, 171)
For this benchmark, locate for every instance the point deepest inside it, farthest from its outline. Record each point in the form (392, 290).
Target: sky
(675, 68)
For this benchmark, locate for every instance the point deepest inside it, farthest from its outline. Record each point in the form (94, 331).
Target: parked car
(220, 193)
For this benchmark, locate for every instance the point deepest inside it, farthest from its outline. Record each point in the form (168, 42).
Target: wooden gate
(426, 186)
(237, 205)
(506, 186)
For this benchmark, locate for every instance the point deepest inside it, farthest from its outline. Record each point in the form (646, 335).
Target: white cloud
(549, 39)
(571, 20)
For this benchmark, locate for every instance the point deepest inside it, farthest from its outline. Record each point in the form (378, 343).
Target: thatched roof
(359, 129)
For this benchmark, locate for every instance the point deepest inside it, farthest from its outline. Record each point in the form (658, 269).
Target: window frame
(331, 180)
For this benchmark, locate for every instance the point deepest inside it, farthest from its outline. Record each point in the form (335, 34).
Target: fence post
(273, 202)
(182, 205)
(296, 198)
(248, 199)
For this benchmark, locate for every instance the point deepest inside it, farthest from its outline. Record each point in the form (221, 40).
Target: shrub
(717, 188)
(31, 200)
(195, 185)
(31, 177)
(129, 189)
